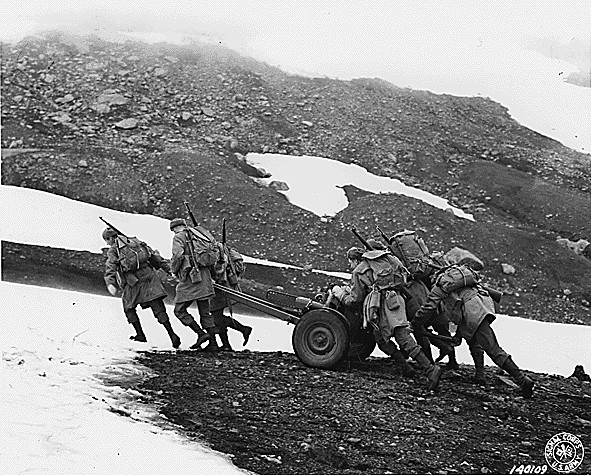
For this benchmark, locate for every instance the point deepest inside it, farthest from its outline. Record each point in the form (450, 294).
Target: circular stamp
(564, 452)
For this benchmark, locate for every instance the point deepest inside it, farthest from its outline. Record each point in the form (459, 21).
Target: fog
(460, 48)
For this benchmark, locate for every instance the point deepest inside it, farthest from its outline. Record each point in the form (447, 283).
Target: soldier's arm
(358, 291)
(429, 308)
(178, 251)
(158, 262)
(111, 268)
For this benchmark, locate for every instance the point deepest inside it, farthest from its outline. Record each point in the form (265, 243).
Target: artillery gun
(325, 334)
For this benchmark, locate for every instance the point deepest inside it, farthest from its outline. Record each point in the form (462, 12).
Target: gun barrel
(362, 239)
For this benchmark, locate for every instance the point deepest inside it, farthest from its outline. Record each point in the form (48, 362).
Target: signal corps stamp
(564, 452)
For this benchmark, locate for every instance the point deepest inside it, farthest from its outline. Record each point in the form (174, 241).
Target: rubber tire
(361, 348)
(321, 339)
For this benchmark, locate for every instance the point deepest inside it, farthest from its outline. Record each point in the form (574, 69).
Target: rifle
(112, 227)
(195, 278)
(404, 292)
(361, 238)
(384, 237)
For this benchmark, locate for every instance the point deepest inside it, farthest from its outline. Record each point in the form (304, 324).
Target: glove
(338, 292)
(112, 290)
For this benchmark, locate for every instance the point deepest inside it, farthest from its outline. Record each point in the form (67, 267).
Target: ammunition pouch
(195, 276)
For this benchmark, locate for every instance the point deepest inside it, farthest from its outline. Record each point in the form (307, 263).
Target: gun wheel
(321, 339)
(362, 346)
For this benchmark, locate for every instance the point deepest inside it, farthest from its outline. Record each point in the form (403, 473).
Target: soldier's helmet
(109, 233)
(177, 222)
(355, 254)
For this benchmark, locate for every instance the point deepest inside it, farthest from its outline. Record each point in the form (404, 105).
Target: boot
(225, 341)
(452, 363)
(432, 371)
(524, 382)
(400, 362)
(139, 332)
(174, 338)
(244, 329)
(212, 345)
(478, 357)
(202, 336)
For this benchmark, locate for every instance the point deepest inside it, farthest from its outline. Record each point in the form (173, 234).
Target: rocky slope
(141, 128)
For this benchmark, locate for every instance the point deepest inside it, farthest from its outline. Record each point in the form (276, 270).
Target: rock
(279, 185)
(577, 247)
(82, 163)
(208, 112)
(508, 269)
(186, 116)
(127, 124)
(102, 108)
(458, 255)
(580, 374)
(159, 72)
(171, 59)
(112, 99)
(307, 123)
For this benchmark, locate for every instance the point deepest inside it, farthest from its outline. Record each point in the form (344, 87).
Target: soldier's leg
(390, 348)
(180, 311)
(478, 357)
(244, 329)
(208, 324)
(440, 324)
(408, 344)
(221, 322)
(485, 335)
(134, 320)
(159, 311)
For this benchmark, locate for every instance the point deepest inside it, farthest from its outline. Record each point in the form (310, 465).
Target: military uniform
(375, 281)
(195, 285)
(472, 309)
(141, 287)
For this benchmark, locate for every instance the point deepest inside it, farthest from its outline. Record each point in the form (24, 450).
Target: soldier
(195, 282)
(471, 308)
(376, 280)
(130, 268)
(415, 295)
(232, 267)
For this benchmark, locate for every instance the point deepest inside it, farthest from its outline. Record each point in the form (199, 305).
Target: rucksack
(131, 253)
(456, 277)
(412, 251)
(206, 251)
(387, 274)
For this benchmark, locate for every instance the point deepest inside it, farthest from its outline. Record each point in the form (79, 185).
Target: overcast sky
(335, 21)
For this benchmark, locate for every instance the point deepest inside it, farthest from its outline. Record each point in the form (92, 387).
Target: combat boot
(212, 345)
(139, 332)
(400, 361)
(452, 363)
(478, 358)
(225, 341)
(174, 338)
(432, 371)
(244, 329)
(202, 337)
(524, 382)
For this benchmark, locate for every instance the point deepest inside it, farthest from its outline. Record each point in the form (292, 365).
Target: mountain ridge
(141, 128)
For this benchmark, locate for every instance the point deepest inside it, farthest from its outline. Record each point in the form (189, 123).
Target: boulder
(127, 124)
(279, 185)
(508, 269)
(458, 255)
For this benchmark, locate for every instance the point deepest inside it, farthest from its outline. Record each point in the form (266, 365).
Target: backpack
(131, 253)
(387, 274)
(456, 277)
(411, 249)
(206, 251)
